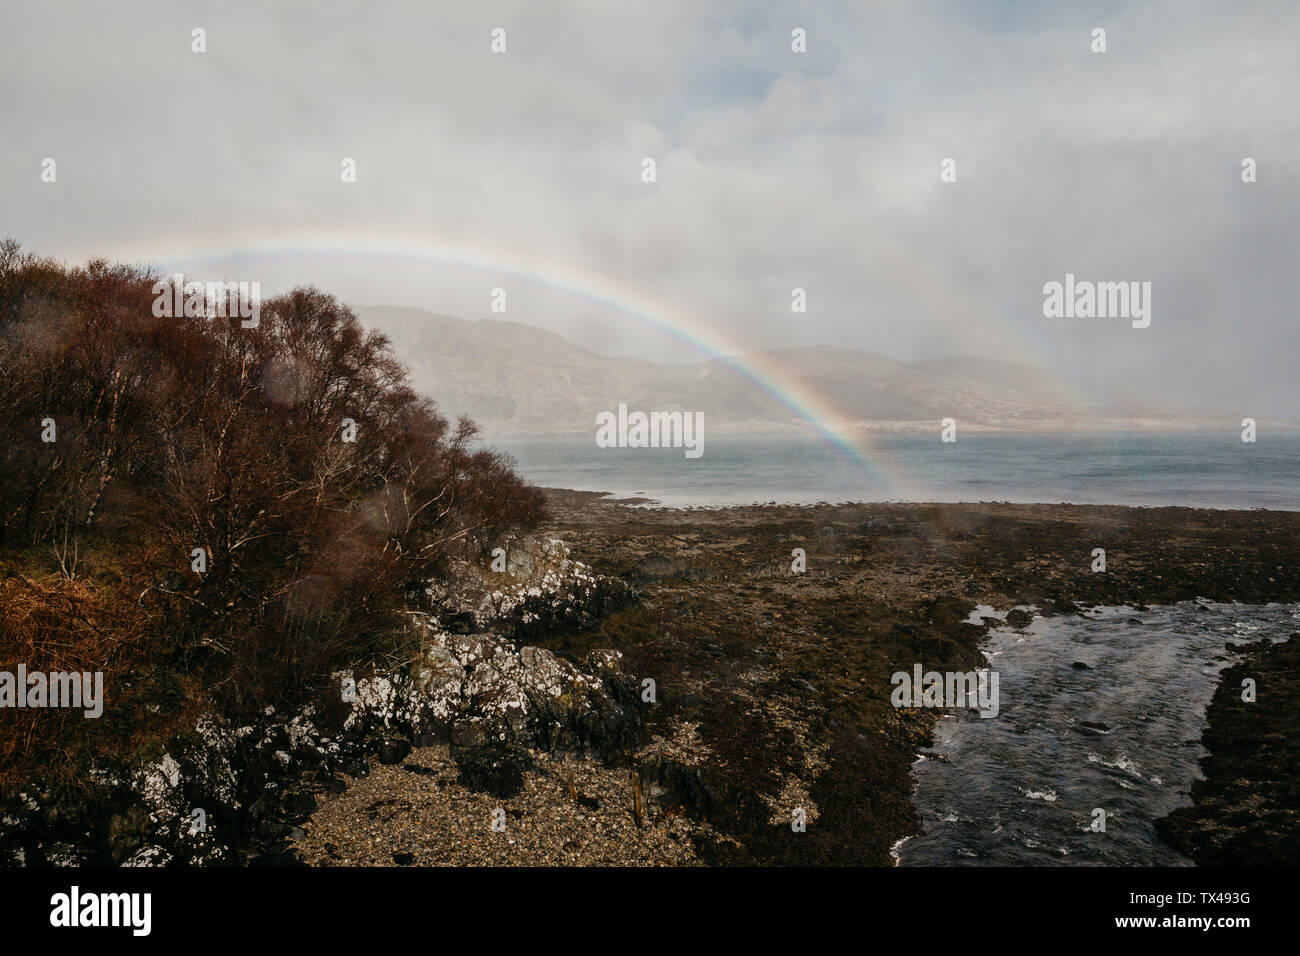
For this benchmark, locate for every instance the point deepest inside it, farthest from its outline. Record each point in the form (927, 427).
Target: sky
(775, 170)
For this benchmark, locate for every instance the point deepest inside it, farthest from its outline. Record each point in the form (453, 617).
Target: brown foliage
(194, 432)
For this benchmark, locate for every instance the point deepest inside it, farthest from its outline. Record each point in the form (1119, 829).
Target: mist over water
(1201, 470)
(1021, 788)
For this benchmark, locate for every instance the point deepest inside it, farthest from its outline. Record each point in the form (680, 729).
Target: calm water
(1020, 788)
(1199, 470)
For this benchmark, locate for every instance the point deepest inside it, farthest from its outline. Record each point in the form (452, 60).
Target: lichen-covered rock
(494, 702)
(232, 794)
(540, 590)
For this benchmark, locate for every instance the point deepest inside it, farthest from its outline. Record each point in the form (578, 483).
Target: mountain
(516, 379)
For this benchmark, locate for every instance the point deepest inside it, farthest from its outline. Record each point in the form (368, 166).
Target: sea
(1193, 469)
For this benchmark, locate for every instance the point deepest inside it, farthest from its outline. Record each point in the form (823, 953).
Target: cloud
(775, 169)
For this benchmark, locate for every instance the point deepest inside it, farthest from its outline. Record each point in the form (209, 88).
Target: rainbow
(190, 254)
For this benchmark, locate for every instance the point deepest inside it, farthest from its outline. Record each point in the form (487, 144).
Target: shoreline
(772, 688)
(887, 584)
(1244, 811)
(1210, 470)
(1207, 425)
(645, 502)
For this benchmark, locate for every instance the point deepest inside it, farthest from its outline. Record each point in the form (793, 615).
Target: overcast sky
(775, 169)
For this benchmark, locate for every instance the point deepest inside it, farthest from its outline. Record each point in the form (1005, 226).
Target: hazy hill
(516, 379)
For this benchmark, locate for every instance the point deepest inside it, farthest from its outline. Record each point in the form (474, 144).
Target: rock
(476, 691)
(1066, 606)
(403, 859)
(1080, 666)
(150, 856)
(299, 805)
(333, 784)
(462, 622)
(493, 766)
(1019, 618)
(394, 751)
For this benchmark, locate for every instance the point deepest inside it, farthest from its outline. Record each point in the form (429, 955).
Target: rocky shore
(1247, 809)
(648, 686)
(771, 690)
